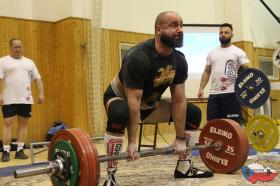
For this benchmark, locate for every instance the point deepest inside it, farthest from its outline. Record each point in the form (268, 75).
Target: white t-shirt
(224, 66)
(17, 75)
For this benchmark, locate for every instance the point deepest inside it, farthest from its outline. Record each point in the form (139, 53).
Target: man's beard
(225, 41)
(170, 42)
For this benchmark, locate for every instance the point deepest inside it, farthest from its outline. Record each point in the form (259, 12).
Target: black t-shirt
(143, 68)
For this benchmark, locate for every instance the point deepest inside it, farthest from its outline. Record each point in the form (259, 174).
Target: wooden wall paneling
(73, 98)
(64, 71)
(43, 48)
(275, 112)
(80, 94)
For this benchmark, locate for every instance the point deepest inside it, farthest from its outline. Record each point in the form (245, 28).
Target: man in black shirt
(134, 95)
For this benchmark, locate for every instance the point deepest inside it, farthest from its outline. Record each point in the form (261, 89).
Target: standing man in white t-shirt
(16, 73)
(222, 65)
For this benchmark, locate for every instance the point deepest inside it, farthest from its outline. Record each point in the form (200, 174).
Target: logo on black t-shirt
(164, 76)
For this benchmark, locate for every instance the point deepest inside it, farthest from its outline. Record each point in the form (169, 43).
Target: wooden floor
(157, 170)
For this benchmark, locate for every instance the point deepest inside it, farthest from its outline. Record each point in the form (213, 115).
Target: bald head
(162, 17)
(168, 29)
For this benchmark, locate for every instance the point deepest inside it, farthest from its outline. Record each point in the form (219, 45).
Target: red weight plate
(242, 156)
(80, 150)
(244, 143)
(86, 144)
(94, 166)
(95, 161)
(234, 151)
(85, 139)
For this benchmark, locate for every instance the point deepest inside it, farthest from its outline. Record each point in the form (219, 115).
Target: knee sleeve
(193, 117)
(118, 116)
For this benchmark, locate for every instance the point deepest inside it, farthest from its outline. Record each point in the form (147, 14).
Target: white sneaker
(111, 179)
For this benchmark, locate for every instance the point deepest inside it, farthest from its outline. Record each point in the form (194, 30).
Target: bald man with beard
(134, 95)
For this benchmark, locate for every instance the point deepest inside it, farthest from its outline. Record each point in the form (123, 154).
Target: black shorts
(224, 106)
(11, 110)
(193, 112)
(109, 93)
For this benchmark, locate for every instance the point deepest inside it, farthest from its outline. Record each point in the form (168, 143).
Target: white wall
(47, 10)
(16, 8)
(81, 8)
(251, 21)
(274, 5)
(259, 25)
(51, 10)
(139, 16)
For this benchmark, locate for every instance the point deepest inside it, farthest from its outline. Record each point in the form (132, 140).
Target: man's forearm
(179, 116)
(134, 118)
(1, 85)
(204, 80)
(1, 98)
(134, 102)
(40, 86)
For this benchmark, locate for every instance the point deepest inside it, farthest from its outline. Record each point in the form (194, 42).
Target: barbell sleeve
(52, 168)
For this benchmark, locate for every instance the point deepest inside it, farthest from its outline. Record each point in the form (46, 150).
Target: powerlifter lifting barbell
(73, 158)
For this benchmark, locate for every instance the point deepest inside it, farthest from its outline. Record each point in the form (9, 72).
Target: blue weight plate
(252, 88)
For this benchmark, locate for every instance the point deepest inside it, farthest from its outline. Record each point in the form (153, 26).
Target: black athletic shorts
(11, 110)
(109, 93)
(193, 112)
(224, 106)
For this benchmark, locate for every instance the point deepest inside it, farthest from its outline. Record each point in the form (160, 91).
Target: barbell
(74, 160)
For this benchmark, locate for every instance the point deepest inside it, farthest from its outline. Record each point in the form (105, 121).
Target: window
(199, 40)
(124, 47)
(267, 66)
